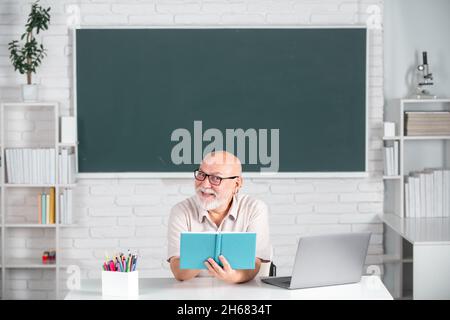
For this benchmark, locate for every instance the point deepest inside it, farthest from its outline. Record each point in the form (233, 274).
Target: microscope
(425, 80)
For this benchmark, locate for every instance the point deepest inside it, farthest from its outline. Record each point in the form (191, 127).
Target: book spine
(446, 192)
(417, 198)
(412, 193)
(38, 165)
(25, 165)
(64, 156)
(19, 165)
(52, 205)
(440, 187)
(422, 195)
(385, 162)
(47, 207)
(407, 211)
(218, 248)
(390, 161)
(396, 162)
(44, 220)
(8, 165)
(40, 209)
(52, 166)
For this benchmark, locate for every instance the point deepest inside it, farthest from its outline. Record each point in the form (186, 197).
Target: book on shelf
(407, 200)
(65, 207)
(427, 194)
(426, 123)
(388, 161)
(30, 166)
(52, 205)
(391, 160)
(46, 207)
(446, 192)
(396, 162)
(40, 209)
(38, 166)
(412, 198)
(66, 167)
(422, 194)
(415, 178)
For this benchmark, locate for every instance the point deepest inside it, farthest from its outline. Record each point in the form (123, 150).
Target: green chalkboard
(136, 87)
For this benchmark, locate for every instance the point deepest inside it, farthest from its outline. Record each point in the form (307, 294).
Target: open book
(239, 248)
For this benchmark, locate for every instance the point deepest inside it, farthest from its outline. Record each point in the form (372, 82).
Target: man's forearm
(179, 274)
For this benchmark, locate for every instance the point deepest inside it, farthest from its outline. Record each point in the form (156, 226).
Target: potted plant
(28, 57)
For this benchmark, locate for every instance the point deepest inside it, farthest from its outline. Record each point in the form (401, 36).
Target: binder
(239, 248)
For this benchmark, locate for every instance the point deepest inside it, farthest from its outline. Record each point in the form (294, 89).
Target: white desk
(370, 288)
(430, 241)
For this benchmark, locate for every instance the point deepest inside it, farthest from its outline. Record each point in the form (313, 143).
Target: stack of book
(46, 207)
(391, 160)
(427, 194)
(38, 166)
(30, 166)
(427, 123)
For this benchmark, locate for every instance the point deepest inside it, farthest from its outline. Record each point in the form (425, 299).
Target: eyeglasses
(214, 180)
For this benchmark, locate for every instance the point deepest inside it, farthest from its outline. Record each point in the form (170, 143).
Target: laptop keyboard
(285, 279)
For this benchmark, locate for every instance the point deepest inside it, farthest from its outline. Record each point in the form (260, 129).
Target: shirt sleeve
(177, 224)
(259, 223)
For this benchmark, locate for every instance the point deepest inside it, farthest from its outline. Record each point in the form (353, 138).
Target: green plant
(28, 57)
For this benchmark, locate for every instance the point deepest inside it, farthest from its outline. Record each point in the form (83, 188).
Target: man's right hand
(181, 275)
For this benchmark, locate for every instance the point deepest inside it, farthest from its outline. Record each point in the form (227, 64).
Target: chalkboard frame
(263, 175)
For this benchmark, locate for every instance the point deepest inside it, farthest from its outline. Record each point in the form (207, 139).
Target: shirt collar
(232, 213)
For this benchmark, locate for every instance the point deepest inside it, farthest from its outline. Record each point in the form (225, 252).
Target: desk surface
(420, 230)
(370, 288)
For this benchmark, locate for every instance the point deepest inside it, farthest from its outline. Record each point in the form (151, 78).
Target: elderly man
(218, 207)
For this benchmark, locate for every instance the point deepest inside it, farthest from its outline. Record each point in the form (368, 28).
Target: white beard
(208, 205)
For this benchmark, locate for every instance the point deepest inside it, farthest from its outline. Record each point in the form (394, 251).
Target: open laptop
(326, 260)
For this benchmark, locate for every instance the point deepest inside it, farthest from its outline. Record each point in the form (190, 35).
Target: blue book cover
(239, 248)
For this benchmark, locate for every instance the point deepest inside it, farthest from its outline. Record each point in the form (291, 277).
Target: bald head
(222, 162)
(218, 196)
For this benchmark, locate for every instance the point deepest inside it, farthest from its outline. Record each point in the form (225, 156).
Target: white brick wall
(117, 214)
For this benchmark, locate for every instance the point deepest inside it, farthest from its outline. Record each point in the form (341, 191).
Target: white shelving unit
(417, 250)
(9, 262)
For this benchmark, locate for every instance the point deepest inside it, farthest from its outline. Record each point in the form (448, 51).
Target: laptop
(326, 260)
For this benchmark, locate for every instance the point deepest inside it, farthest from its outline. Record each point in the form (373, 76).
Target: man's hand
(228, 274)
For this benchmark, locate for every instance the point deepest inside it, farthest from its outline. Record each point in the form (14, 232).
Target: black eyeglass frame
(212, 175)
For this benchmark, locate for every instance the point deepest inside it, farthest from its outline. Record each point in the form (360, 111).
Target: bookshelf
(417, 250)
(36, 126)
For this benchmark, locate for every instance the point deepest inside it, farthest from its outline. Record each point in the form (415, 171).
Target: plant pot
(29, 92)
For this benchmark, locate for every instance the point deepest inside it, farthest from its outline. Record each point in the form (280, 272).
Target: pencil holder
(120, 284)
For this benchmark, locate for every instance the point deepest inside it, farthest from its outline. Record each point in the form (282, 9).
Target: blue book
(44, 208)
(239, 248)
